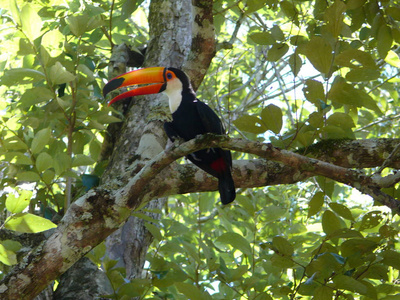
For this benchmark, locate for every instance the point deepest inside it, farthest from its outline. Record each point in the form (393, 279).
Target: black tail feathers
(226, 188)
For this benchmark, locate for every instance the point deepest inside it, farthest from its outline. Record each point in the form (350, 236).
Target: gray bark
(142, 136)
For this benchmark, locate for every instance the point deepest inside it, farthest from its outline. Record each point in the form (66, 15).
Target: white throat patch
(174, 93)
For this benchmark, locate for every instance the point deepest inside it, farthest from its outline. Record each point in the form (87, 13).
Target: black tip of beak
(112, 85)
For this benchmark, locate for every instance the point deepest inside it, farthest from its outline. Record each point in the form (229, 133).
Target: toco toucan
(190, 117)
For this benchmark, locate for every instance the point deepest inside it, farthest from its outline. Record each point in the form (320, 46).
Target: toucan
(190, 117)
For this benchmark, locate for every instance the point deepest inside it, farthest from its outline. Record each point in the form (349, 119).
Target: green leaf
(16, 13)
(391, 258)
(48, 176)
(273, 213)
(277, 32)
(277, 51)
(53, 42)
(354, 58)
(236, 241)
(358, 246)
(82, 160)
(40, 140)
(330, 222)
(341, 120)
(282, 246)
(154, 230)
(58, 74)
(191, 291)
(31, 23)
(289, 9)
(78, 24)
(341, 210)
(363, 74)
(272, 118)
(371, 220)
(21, 76)
(29, 176)
(314, 92)
(334, 18)
(62, 162)
(28, 223)
(250, 124)
(315, 204)
(345, 93)
(254, 5)
(319, 52)
(262, 38)
(348, 283)
(295, 63)
(34, 96)
(17, 158)
(393, 59)
(44, 161)
(129, 7)
(385, 40)
(18, 204)
(7, 257)
(14, 143)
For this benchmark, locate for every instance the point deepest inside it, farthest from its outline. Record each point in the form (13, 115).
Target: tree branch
(98, 213)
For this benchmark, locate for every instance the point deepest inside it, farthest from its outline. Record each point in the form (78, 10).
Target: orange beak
(155, 75)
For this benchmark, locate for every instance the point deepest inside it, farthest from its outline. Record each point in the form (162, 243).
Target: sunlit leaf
(371, 220)
(262, 38)
(251, 124)
(363, 74)
(345, 93)
(29, 176)
(355, 58)
(350, 284)
(357, 246)
(341, 210)
(7, 257)
(319, 52)
(28, 223)
(21, 76)
(330, 222)
(282, 246)
(314, 91)
(342, 120)
(40, 140)
(191, 291)
(391, 258)
(154, 230)
(31, 22)
(315, 204)
(393, 59)
(44, 161)
(18, 204)
(277, 51)
(295, 63)
(385, 40)
(334, 18)
(236, 241)
(35, 95)
(272, 118)
(82, 160)
(58, 74)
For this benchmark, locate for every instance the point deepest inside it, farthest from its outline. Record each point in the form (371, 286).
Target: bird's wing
(209, 119)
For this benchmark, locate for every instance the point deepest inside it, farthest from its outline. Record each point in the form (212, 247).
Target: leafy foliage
(293, 73)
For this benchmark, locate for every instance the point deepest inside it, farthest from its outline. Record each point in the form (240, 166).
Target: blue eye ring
(169, 75)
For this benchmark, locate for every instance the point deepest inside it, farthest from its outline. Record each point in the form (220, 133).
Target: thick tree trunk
(143, 136)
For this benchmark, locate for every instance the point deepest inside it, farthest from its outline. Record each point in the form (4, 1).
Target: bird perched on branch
(190, 117)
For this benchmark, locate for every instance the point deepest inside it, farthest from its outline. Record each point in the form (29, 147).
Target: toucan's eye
(169, 75)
